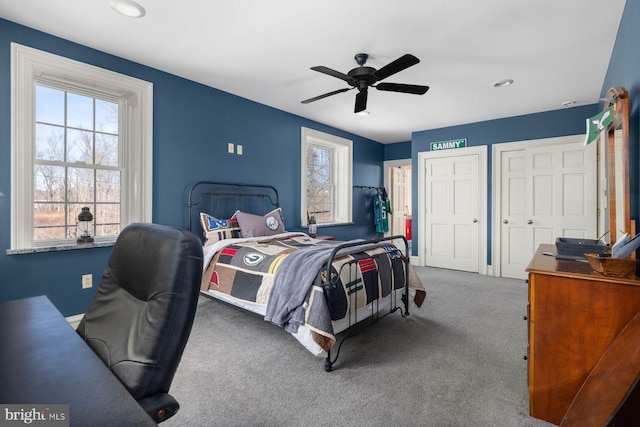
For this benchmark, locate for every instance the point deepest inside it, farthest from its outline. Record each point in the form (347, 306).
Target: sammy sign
(447, 145)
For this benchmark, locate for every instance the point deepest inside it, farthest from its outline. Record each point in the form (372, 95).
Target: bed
(312, 288)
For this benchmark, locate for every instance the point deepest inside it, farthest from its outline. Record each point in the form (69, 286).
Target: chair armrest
(160, 407)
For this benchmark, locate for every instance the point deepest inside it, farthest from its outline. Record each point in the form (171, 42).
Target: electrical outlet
(239, 150)
(87, 281)
(230, 147)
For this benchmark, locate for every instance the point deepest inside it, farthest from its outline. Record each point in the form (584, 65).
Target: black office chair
(140, 318)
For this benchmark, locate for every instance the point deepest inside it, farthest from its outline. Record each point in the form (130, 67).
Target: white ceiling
(555, 51)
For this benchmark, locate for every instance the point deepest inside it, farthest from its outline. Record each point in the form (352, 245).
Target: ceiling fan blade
(404, 88)
(333, 73)
(396, 66)
(361, 101)
(315, 98)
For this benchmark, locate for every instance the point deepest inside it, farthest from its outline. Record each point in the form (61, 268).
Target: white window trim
(343, 169)
(29, 65)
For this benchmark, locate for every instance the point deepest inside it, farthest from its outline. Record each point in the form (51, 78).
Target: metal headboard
(221, 199)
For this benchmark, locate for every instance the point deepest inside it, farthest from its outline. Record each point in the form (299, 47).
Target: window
(320, 183)
(81, 136)
(326, 178)
(77, 163)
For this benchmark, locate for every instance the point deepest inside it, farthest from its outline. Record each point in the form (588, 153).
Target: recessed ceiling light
(567, 104)
(362, 113)
(503, 83)
(127, 8)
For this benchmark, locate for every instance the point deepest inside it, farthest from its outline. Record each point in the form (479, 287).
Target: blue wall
(397, 151)
(624, 70)
(556, 123)
(192, 125)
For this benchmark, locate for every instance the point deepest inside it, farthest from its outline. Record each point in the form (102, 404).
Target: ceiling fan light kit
(362, 78)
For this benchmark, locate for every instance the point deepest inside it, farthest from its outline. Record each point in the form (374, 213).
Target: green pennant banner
(597, 124)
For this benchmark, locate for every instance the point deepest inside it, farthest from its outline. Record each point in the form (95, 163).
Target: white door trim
(387, 177)
(392, 164)
(388, 164)
(496, 179)
(481, 151)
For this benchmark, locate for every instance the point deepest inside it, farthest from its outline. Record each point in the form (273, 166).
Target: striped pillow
(218, 229)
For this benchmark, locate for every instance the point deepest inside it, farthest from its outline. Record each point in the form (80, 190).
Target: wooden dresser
(573, 315)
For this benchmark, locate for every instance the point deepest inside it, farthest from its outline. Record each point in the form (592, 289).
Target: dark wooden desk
(574, 315)
(44, 361)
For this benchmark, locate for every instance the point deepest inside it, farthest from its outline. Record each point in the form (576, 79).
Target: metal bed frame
(225, 198)
(330, 282)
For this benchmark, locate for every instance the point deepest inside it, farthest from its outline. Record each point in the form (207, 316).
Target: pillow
(217, 229)
(256, 225)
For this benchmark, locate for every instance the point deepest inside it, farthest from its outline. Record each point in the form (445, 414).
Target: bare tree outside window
(319, 183)
(76, 164)
(325, 178)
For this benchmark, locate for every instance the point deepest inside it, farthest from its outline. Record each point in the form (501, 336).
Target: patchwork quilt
(284, 277)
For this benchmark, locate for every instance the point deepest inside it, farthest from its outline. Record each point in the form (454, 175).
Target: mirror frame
(618, 171)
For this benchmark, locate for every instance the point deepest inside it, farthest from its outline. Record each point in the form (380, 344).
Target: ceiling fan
(362, 78)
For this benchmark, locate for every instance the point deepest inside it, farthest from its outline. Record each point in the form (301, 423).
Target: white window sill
(334, 224)
(69, 247)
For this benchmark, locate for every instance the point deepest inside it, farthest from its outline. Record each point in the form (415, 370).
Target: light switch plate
(87, 281)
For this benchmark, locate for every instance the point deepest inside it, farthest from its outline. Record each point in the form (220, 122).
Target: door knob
(475, 220)
(529, 221)
(505, 221)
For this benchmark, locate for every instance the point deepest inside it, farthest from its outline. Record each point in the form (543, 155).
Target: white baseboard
(75, 320)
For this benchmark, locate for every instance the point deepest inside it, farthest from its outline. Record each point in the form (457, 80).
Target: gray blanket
(293, 281)
(291, 285)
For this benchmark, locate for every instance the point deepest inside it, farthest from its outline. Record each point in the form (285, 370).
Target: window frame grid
(136, 126)
(342, 171)
(66, 163)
